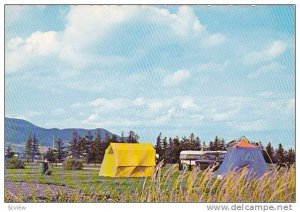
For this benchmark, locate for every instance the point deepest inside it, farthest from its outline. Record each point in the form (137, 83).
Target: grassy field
(166, 185)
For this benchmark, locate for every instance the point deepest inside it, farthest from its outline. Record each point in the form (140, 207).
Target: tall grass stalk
(203, 186)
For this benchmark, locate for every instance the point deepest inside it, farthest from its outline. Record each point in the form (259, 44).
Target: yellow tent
(128, 160)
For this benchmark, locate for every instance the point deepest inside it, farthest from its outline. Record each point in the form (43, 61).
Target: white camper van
(189, 157)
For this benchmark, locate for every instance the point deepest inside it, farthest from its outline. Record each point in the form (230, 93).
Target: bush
(72, 164)
(14, 163)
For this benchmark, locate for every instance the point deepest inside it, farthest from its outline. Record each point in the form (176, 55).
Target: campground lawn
(168, 185)
(22, 184)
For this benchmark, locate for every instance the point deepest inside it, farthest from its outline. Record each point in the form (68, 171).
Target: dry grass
(199, 186)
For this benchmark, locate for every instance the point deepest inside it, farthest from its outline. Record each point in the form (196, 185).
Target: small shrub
(14, 163)
(78, 165)
(72, 164)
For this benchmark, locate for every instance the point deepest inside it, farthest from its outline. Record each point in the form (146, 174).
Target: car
(201, 158)
(210, 159)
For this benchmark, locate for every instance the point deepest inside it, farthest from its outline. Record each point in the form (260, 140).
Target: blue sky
(220, 70)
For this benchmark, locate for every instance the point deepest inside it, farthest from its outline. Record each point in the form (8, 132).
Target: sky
(226, 71)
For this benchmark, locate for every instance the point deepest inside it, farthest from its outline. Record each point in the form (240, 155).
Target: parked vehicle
(212, 158)
(200, 158)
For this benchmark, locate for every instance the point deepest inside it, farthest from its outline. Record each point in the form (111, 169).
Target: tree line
(92, 149)
(169, 149)
(84, 147)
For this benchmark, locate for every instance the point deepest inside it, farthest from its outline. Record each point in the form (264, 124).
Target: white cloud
(265, 69)
(165, 118)
(58, 111)
(85, 25)
(156, 105)
(223, 116)
(183, 23)
(214, 40)
(250, 126)
(102, 104)
(183, 102)
(186, 25)
(21, 52)
(89, 25)
(42, 43)
(95, 121)
(276, 49)
(244, 114)
(14, 43)
(139, 101)
(187, 102)
(91, 118)
(110, 112)
(14, 60)
(220, 109)
(216, 109)
(211, 66)
(176, 77)
(271, 52)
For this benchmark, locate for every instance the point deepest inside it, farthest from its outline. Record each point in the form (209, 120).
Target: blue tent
(241, 155)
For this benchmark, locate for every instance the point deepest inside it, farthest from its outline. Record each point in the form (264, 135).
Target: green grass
(166, 185)
(86, 180)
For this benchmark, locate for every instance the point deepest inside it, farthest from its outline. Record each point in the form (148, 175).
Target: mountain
(17, 131)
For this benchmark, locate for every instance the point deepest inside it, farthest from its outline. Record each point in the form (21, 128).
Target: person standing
(46, 162)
